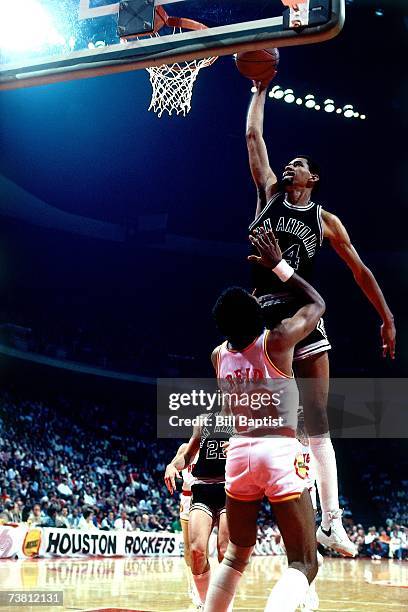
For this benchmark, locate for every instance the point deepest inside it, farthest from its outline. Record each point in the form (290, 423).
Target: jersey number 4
(215, 450)
(291, 255)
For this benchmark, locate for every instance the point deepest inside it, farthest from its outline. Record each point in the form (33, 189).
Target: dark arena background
(118, 231)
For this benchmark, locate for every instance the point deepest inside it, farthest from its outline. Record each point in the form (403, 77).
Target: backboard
(46, 41)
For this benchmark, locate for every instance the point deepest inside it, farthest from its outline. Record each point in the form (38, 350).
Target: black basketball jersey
(210, 466)
(299, 232)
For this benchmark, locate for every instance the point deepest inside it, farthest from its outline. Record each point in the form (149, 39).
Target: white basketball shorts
(258, 467)
(185, 503)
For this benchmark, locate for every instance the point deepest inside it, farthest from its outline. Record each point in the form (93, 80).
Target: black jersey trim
(265, 208)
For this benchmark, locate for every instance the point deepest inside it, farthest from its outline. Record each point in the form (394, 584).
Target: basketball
(258, 65)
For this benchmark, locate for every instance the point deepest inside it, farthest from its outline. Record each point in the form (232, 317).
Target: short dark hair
(86, 512)
(314, 169)
(53, 509)
(238, 315)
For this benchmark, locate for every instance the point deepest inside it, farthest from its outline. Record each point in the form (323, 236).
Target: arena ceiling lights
(310, 102)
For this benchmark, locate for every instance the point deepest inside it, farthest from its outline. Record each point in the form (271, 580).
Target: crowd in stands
(78, 471)
(86, 470)
(390, 541)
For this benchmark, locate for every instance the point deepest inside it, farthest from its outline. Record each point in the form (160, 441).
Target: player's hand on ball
(170, 476)
(268, 248)
(388, 338)
(261, 85)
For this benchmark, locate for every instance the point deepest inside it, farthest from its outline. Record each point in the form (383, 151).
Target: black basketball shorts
(210, 498)
(279, 307)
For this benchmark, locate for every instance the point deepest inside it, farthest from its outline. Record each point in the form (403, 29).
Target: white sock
(202, 582)
(222, 589)
(312, 586)
(289, 592)
(191, 586)
(324, 460)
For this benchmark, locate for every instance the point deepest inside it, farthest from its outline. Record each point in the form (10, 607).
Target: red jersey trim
(270, 360)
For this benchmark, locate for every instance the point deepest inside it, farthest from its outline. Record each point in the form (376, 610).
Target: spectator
(51, 519)
(138, 523)
(122, 523)
(74, 518)
(86, 521)
(4, 497)
(6, 516)
(397, 544)
(384, 542)
(144, 524)
(16, 512)
(35, 517)
(62, 518)
(89, 497)
(109, 521)
(64, 490)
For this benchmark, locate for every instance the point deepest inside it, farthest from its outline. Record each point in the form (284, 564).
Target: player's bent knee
(198, 557)
(238, 557)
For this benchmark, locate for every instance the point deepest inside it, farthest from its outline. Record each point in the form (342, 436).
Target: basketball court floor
(157, 585)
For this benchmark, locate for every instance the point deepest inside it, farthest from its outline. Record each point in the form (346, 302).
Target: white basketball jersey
(258, 390)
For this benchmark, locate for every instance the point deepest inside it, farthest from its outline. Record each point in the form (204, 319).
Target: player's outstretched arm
(183, 458)
(263, 175)
(336, 233)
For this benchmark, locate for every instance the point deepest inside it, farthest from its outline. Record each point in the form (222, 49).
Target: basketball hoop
(173, 84)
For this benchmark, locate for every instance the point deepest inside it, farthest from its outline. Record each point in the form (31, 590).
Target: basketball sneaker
(336, 537)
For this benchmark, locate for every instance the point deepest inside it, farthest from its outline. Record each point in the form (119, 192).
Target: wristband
(283, 270)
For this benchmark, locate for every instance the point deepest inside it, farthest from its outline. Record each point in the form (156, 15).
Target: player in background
(207, 508)
(300, 226)
(185, 502)
(261, 459)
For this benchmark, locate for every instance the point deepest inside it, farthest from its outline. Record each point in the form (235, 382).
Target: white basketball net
(173, 84)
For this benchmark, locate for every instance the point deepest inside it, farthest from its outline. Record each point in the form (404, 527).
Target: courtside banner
(23, 542)
(73, 543)
(247, 404)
